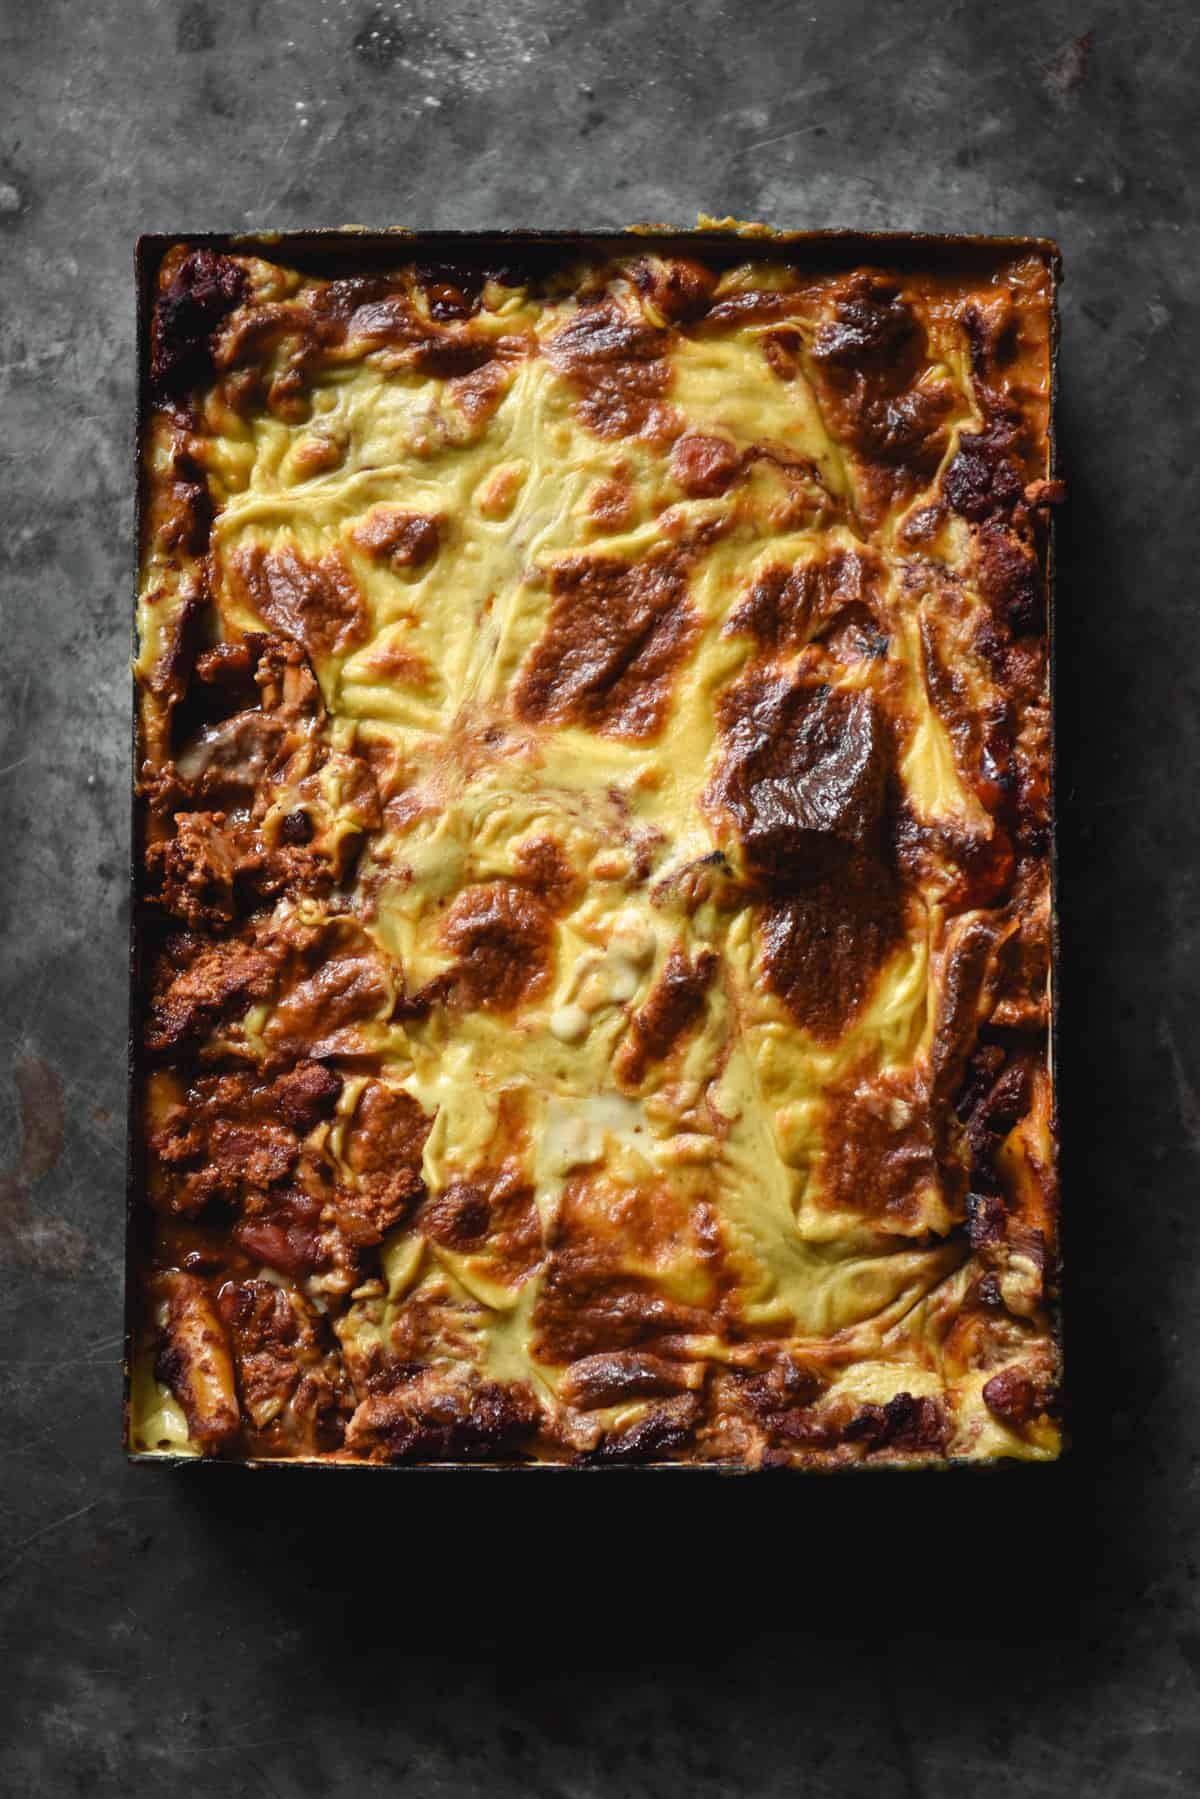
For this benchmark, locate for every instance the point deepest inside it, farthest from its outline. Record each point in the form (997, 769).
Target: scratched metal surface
(250, 1634)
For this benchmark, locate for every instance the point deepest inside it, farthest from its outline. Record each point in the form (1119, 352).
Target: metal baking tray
(333, 250)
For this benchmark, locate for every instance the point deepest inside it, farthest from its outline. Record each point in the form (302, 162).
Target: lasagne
(594, 828)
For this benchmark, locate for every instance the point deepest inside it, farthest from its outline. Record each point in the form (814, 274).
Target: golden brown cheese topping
(595, 924)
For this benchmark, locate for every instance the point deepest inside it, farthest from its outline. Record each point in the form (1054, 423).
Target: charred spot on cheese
(503, 938)
(1010, 1396)
(880, 392)
(317, 603)
(495, 1206)
(547, 872)
(984, 480)
(824, 944)
(802, 773)
(498, 493)
(885, 1147)
(678, 287)
(803, 777)
(783, 349)
(586, 1309)
(589, 1302)
(753, 305)
(785, 607)
(854, 634)
(1009, 577)
(198, 292)
(971, 867)
(394, 663)
(616, 634)
(448, 358)
(672, 1007)
(366, 311)
(403, 539)
(705, 466)
(460, 1217)
(478, 391)
(613, 504)
(991, 323)
(620, 369)
(921, 524)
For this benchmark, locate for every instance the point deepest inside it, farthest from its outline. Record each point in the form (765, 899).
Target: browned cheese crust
(594, 827)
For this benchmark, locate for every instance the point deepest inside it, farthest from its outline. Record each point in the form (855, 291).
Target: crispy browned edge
(322, 249)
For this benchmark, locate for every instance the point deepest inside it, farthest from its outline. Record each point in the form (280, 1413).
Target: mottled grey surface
(215, 1633)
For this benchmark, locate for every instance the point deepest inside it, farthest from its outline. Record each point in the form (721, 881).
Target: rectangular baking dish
(357, 250)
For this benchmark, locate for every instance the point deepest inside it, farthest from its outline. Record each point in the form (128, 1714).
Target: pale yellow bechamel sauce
(513, 494)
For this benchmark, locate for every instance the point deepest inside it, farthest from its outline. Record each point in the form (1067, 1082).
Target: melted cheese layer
(664, 666)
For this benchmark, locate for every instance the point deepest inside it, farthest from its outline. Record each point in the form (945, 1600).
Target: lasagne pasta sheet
(594, 927)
